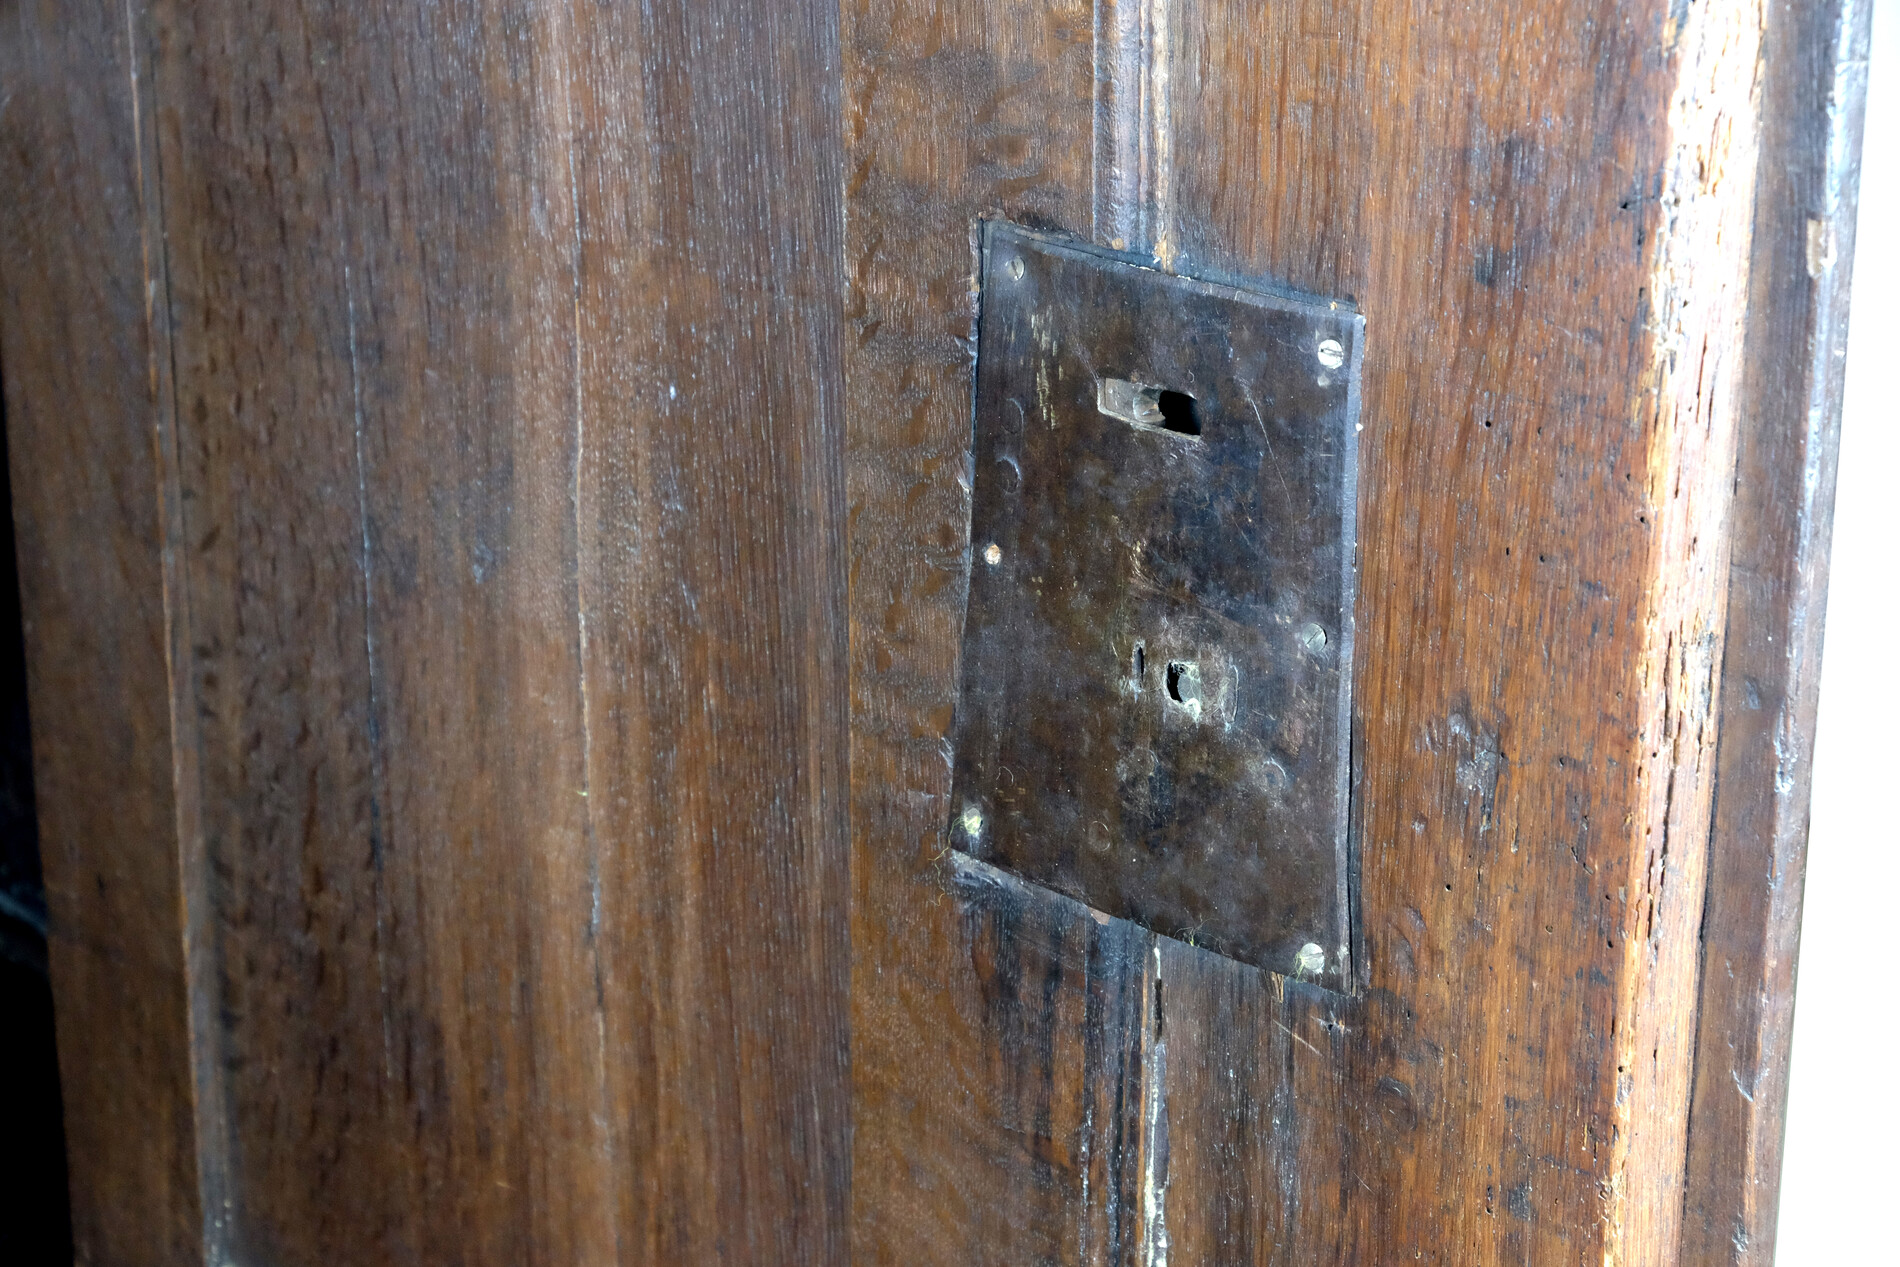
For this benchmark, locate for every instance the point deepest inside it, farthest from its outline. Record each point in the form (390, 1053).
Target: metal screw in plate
(1332, 353)
(1312, 637)
(1015, 270)
(1310, 961)
(992, 554)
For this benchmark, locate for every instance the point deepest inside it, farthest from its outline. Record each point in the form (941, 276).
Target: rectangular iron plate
(1156, 673)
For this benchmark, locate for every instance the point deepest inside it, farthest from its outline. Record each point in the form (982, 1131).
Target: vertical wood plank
(1409, 161)
(508, 504)
(1544, 215)
(277, 708)
(1814, 82)
(995, 1077)
(86, 375)
(711, 509)
(472, 601)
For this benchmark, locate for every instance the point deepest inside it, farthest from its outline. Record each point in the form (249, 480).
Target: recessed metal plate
(1156, 672)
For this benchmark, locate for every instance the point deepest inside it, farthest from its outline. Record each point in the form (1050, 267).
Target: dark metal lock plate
(1156, 670)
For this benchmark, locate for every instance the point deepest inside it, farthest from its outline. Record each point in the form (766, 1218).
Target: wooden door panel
(497, 512)
(1545, 215)
(84, 368)
(493, 498)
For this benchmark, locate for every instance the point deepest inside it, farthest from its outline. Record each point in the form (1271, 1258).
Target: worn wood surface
(1814, 90)
(500, 518)
(86, 365)
(482, 471)
(1544, 213)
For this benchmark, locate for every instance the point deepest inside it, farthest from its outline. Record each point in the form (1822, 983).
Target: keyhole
(1178, 413)
(1184, 686)
(1150, 408)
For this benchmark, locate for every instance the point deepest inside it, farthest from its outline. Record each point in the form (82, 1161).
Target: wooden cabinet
(493, 504)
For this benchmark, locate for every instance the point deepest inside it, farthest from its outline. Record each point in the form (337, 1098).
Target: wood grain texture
(493, 492)
(86, 372)
(1544, 214)
(1814, 71)
(505, 514)
(973, 1139)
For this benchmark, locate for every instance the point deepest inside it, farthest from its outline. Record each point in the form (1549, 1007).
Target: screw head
(1312, 637)
(1015, 269)
(992, 554)
(1310, 961)
(1332, 353)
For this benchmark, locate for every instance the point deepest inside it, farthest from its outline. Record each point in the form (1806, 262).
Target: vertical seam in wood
(1157, 136)
(589, 829)
(1132, 173)
(1101, 122)
(373, 704)
(1154, 1116)
(211, 1138)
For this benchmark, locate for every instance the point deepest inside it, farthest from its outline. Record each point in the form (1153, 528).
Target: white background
(1840, 1186)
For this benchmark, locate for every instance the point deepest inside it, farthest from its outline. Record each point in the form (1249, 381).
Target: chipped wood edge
(1690, 406)
(1808, 187)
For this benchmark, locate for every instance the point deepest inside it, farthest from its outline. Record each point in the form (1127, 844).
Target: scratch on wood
(1295, 1037)
(369, 663)
(1154, 1124)
(207, 1070)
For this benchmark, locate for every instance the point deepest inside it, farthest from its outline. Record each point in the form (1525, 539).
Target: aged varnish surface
(493, 504)
(1546, 212)
(428, 428)
(1814, 69)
